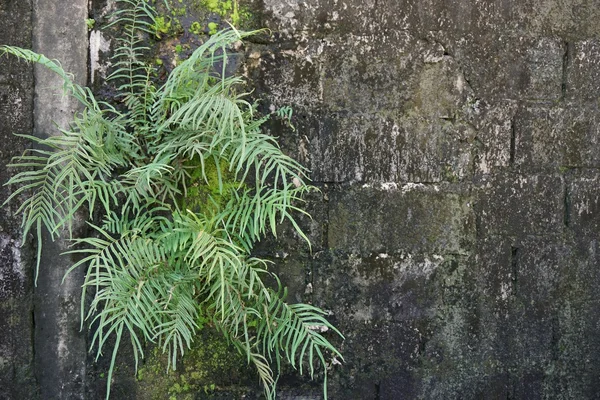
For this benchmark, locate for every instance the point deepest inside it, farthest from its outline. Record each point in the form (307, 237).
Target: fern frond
(282, 330)
(82, 94)
(135, 87)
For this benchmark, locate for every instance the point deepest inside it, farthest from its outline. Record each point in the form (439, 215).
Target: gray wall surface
(16, 302)
(457, 147)
(42, 351)
(455, 238)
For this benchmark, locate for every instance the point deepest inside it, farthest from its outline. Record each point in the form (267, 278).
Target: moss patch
(210, 369)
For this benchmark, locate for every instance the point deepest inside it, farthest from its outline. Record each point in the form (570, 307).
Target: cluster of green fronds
(154, 268)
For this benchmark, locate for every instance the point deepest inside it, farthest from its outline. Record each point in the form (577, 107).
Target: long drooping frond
(72, 169)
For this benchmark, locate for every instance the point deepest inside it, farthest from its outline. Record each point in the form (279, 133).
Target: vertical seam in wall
(513, 142)
(565, 68)
(567, 204)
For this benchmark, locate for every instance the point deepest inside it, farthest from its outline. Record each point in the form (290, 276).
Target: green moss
(211, 190)
(212, 28)
(210, 367)
(226, 9)
(196, 28)
(197, 17)
(162, 26)
(449, 174)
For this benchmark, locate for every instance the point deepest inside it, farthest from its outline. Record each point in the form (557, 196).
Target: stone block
(573, 369)
(572, 19)
(15, 112)
(17, 379)
(392, 218)
(584, 206)
(495, 130)
(576, 18)
(554, 138)
(545, 59)
(583, 78)
(368, 148)
(513, 204)
(370, 73)
(581, 275)
(385, 304)
(288, 76)
(503, 65)
(292, 19)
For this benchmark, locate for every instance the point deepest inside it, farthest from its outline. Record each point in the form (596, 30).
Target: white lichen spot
(318, 328)
(364, 314)
(504, 290)
(98, 44)
(17, 267)
(460, 83)
(410, 186)
(389, 186)
(62, 348)
(308, 289)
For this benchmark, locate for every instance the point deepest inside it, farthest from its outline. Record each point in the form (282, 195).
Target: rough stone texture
(456, 144)
(16, 303)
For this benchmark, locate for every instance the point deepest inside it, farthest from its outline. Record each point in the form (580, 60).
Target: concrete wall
(456, 144)
(42, 351)
(455, 238)
(16, 301)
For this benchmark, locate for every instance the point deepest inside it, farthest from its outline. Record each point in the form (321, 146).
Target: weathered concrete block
(573, 18)
(394, 218)
(511, 204)
(371, 73)
(495, 135)
(318, 17)
(288, 76)
(386, 303)
(17, 380)
(545, 62)
(540, 136)
(358, 148)
(509, 298)
(574, 367)
(584, 206)
(583, 79)
(554, 138)
(503, 65)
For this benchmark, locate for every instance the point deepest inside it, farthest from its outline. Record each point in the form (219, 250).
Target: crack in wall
(567, 55)
(513, 143)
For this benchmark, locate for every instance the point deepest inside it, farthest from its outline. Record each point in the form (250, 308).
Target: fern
(153, 265)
